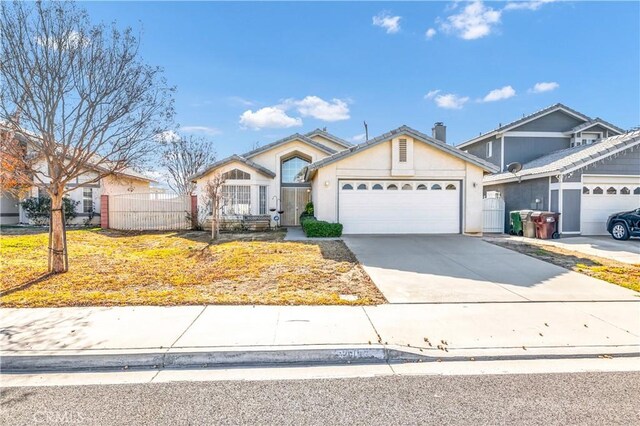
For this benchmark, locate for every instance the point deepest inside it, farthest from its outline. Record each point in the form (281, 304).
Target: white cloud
(544, 86)
(205, 130)
(390, 23)
(475, 21)
(526, 5)
(505, 92)
(316, 107)
(451, 101)
(268, 117)
(237, 100)
(432, 94)
(431, 32)
(359, 138)
(167, 136)
(72, 41)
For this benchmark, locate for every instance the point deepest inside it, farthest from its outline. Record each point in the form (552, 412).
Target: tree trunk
(57, 238)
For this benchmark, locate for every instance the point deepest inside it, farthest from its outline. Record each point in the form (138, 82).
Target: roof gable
(403, 130)
(527, 119)
(329, 136)
(570, 159)
(234, 158)
(595, 122)
(296, 136)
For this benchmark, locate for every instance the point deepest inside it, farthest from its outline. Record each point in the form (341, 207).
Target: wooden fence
(153, 211)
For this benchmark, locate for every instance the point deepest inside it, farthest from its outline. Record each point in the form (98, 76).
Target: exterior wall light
(326, 183)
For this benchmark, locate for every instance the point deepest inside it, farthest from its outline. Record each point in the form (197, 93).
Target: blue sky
(253, 72)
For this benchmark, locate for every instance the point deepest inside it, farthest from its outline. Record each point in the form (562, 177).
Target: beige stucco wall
(327, 142)
(378, 161)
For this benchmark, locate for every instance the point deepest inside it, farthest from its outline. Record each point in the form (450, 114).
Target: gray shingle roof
(592, 123)
(524, 119)
(389, 135)
(329, 136)
(568, 159)
(282, 141)
(231, 159)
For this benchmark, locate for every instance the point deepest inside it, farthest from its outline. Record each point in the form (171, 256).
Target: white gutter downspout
(502, 153)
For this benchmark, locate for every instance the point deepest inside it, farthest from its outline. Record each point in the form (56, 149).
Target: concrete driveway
(456, 268)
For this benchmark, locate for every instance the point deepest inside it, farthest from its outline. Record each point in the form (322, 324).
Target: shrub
(38, 209)
(308, 209)
(314, 228)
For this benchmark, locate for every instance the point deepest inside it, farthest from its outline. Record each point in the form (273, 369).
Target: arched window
(451, 187)
(362, 187)
(585, 190)
(347, 186)
(436, 187)
(236, 174)
(421, 187)
(407, 187)
(611, 191)
(597, 191)
(377, 187)
(625, 191)
(291, 169)
(636, 191)
(392, 187)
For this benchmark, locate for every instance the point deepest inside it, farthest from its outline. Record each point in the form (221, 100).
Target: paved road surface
(587, 398)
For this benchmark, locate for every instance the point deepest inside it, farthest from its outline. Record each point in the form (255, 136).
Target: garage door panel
(603, 197)
(400, 211)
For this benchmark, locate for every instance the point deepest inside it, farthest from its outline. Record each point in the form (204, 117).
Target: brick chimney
(439, 131)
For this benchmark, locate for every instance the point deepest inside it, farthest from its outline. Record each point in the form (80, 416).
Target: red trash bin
(546, 224)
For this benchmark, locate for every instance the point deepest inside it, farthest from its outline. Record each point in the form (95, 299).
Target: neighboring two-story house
(584, 168)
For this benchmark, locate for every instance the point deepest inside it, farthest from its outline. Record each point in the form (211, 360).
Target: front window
(263, 200)
(236, 199)
(87, 200)
(291, 169)
(236, 174)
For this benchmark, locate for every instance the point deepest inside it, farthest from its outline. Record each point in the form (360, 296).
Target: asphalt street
(524, 399)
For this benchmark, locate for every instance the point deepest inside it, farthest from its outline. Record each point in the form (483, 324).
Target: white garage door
(603, 196)
(399, 207)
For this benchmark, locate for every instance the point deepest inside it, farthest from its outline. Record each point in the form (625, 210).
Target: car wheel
(619, 232)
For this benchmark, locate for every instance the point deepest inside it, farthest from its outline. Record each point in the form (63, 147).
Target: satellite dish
(514, 167)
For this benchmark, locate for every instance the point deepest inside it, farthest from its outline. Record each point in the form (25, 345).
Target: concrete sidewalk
(84, 338)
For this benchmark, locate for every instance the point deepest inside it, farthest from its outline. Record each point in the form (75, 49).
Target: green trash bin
(515, 223)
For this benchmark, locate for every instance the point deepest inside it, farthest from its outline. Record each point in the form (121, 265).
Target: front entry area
(399, 207)
(294, 200)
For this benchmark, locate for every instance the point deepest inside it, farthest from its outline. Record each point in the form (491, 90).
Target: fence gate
(146, 212)
(493, 215)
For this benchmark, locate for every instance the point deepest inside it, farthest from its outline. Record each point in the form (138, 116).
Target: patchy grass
(618, 273)
(110, 268)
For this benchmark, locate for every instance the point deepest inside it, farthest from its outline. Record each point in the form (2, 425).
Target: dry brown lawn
(622, 274)
(110, 268)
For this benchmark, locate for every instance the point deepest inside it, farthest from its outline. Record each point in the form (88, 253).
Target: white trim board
(565, 185)
(536, 135)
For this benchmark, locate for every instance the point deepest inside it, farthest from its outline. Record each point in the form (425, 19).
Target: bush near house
(38, 209)
(313, 227)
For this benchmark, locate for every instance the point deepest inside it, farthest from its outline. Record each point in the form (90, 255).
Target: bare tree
(213, 195)
(80, 97)
(183, 158)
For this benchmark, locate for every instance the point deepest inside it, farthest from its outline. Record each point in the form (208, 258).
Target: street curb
(251, 357)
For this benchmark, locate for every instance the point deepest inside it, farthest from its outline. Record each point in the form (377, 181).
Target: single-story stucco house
(400, 182)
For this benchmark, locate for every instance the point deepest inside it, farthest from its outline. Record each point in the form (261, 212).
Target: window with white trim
(236, 199)
(489, 148)
(87, 200)
(263, 199)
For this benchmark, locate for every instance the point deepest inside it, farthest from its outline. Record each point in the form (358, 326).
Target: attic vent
(402, 147)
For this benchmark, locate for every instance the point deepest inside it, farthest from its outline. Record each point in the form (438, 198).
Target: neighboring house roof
(295, 136)
(485, 165)
(526, 119)
(231, 159)
(569, 159)
(327, 135)
(595, 122)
